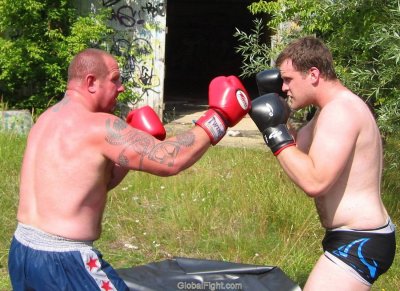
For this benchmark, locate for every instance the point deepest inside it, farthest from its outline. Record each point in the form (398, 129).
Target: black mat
(196, 274)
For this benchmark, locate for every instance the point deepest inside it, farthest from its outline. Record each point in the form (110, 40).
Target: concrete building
(172, 49)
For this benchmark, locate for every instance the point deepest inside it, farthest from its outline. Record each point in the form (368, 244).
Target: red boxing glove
(229, 98)
(229, 102)
(147, 120)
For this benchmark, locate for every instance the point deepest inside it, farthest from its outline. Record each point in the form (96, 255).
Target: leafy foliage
(254, 53)
(37, 41)
(363, 36)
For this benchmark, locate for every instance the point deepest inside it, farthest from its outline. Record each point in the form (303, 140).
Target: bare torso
(64, 178)
(74, 155)
(353, 198)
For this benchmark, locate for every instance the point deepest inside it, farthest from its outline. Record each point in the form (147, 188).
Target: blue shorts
(366, 254)
(42, 261)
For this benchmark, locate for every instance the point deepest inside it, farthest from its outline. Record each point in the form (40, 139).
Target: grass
(235, 204)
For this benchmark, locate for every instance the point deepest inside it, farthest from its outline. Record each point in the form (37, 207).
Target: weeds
(235, 204)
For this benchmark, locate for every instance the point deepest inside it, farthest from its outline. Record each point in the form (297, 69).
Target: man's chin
(290, 102)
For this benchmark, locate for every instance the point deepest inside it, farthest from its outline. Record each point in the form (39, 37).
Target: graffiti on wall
(129, 16)
(138, 43)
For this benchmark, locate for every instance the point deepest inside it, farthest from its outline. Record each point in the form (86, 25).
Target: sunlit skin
(337, 161)
(77, 151)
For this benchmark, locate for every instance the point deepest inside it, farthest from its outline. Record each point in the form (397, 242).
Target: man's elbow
(314, 190)
(171, 171)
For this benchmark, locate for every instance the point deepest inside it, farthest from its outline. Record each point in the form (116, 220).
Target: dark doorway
(200, 46)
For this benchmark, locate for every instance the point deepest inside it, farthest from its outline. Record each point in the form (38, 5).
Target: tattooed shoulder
(130, 140)
(114, 130)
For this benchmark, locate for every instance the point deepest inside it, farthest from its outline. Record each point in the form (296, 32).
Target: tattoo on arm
(119, 133)
(186, 139)
(166, 152)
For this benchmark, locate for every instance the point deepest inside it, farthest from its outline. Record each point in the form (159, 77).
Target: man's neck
(328, 91)
(78, 97)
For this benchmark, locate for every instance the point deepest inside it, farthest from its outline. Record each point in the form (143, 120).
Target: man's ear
(91, 83)
(314, 74)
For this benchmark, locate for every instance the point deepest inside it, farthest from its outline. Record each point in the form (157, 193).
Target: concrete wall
(140, 41)
(16, 121)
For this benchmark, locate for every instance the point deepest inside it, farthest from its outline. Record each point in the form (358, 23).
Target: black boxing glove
(270, 81)
(270, 113)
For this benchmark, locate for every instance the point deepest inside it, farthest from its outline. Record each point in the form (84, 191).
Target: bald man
(76, 152)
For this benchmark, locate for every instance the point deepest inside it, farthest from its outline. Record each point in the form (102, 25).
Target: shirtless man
(76, 152)
(336, 158)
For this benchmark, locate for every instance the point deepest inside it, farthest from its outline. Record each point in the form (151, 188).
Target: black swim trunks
(366, 253)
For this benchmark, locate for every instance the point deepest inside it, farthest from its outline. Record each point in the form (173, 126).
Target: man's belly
(350, 214)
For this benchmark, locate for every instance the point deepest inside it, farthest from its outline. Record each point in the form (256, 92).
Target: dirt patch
(233, 138)
(180, 117)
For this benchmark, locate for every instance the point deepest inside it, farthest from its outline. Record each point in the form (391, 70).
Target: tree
(363, 36)
(38, 38)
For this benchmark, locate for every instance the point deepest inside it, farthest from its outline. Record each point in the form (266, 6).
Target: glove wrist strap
(278, 138)
(213, 124)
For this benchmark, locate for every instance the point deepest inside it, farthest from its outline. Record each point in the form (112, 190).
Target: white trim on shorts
(389, 227)
(37, 239)
(42, 241)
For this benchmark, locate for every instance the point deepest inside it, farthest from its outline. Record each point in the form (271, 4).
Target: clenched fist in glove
(228, 103)
(270, 113)
(147, 120)
(270, 81)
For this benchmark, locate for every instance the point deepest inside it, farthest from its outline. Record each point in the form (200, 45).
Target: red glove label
(215, 126)
(242, 99)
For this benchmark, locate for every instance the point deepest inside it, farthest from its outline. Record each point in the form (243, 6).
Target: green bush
(37, 41)
(363, 36)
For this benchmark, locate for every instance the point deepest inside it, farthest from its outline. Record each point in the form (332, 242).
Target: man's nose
(285, 87)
